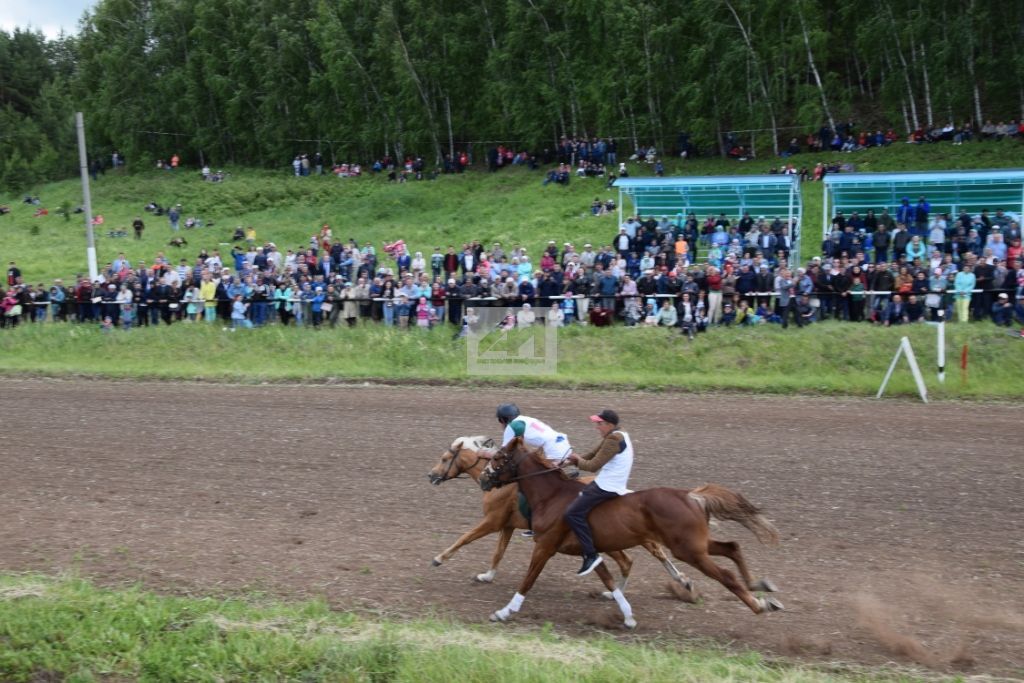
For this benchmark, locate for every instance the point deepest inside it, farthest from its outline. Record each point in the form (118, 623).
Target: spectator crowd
(674, 271)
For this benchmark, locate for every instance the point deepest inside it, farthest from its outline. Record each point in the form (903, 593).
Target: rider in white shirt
(612, 459)
(535, 434)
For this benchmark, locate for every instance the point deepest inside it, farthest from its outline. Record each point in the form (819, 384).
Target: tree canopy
(255, 82)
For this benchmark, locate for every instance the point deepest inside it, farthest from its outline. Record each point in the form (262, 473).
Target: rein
(514, 466)
(520, 477)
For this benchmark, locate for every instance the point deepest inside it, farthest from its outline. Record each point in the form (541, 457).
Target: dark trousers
(576, 516)
(790, 310)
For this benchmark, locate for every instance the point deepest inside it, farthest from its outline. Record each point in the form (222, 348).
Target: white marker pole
(908, 350)
(942, 346)
(83, 162)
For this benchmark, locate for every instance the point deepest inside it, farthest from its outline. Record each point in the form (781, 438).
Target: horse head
(461, 456)
(504, 463)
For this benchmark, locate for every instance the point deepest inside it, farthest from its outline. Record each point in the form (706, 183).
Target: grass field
(831, 358)
(68, 629)
(509, 206)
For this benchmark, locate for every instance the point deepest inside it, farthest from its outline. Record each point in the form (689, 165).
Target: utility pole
(83, 163)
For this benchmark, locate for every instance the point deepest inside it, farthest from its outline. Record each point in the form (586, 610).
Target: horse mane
(475, 443)
(538, 456)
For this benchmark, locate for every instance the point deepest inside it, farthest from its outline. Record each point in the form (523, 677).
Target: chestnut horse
(469, 455)
(675, 518)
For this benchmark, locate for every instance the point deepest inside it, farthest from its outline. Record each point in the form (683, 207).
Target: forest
(256, 82)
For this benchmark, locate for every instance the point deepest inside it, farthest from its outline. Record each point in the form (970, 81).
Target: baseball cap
(606, 415)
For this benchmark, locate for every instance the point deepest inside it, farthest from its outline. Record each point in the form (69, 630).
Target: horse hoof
(496, 618)
(435, 562)
(765, 585)
(484, 578)
(630, 623)
(771, 605)
(607, 595)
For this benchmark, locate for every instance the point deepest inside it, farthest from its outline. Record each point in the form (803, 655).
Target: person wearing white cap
(588, 255)
(1002, 310)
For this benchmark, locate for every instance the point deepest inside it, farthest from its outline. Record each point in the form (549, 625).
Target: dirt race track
(902, 524)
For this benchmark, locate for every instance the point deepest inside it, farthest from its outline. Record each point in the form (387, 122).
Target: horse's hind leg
(659, 554)
(731, 549)
(499, 552)
(702, 561)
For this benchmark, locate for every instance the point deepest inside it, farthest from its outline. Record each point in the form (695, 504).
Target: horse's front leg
(541, 554)
(484, 528)
(503, 538)
(625, 563)
(616, 593)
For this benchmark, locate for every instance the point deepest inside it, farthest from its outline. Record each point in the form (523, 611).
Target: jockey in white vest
(535, 434)
(612, 459)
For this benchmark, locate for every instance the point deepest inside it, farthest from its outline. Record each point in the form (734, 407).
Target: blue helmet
(507, 412)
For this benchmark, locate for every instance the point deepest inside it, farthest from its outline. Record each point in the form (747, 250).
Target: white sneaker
(589, 564)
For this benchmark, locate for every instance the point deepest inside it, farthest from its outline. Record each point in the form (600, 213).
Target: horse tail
(721, 503)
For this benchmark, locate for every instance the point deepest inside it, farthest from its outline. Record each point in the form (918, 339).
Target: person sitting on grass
(895, 313)
(1002, 311)
(526, 317)
(555, 316)
(804, 310)
(915, 309)
(745, 314)
(728, 314)
(650, 315)
(667, 316)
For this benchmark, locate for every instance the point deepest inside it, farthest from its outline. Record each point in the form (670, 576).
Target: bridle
(513, 466)
(455, 457)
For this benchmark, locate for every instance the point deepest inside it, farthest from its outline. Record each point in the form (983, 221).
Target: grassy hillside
(509, 206)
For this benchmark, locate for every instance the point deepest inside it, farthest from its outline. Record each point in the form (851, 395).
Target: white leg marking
(487, 576)
(769, 605)
(624, 606)
(508, 610)
(607, 595)
(672, 571)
